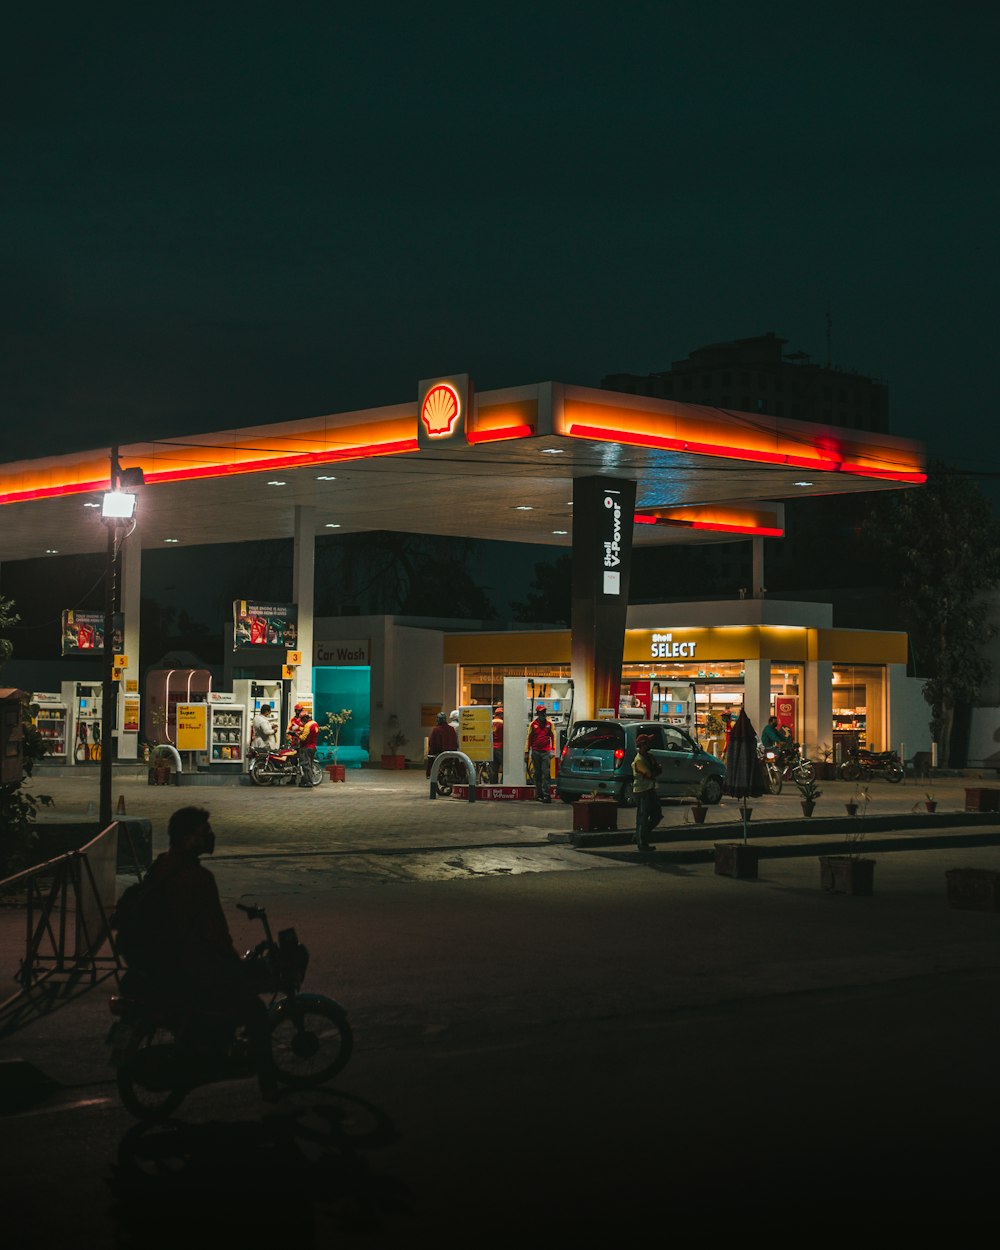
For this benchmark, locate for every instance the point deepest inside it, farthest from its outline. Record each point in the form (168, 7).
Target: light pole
(117, 512)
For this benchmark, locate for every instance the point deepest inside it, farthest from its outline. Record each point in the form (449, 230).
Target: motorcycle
(864, 763)
(786, 763)
(278, 768)
(161, 1051)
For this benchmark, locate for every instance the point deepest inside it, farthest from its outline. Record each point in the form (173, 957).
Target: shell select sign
(440, 410)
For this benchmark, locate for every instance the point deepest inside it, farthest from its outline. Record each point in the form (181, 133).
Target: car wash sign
(443, 409)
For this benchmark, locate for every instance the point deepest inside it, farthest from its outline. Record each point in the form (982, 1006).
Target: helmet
(300, 707)
(498, 711)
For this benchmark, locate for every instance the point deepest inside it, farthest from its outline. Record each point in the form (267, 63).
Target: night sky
(224, 214)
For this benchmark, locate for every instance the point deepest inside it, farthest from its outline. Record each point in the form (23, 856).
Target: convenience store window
(859, 717)
(483, 683)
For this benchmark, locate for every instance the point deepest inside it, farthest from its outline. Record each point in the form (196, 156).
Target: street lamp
(117, 511)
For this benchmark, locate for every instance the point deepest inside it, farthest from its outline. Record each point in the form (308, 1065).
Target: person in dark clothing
(200, 965)
(442, 738)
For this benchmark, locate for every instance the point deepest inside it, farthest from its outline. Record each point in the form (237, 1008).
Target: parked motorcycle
(161, 1052)
(277, 768)
(786, 762)
(863, 763)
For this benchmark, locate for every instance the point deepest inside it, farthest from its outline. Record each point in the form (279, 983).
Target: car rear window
(599, 736)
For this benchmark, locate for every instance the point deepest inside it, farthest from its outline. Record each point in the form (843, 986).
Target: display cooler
(52, 722)
(227, 733)
(253, 694)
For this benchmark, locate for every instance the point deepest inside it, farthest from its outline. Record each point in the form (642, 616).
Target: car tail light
(564, 750)
(619, 756)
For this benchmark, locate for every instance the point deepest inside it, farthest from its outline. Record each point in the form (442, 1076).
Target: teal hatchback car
(598, 754)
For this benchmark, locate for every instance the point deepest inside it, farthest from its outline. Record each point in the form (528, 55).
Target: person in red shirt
(442, 738)
(540, 745)
(497, 727)
(304, 734)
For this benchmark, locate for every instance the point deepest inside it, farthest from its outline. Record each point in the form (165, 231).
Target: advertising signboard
(258, 624)
(83, 632)
(192, 726)
(475, 732)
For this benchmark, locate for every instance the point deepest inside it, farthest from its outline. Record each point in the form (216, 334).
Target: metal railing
(67, 902)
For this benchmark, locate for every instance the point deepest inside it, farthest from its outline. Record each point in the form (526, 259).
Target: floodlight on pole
(117, 505)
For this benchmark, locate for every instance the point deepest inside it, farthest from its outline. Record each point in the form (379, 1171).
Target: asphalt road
(563, 1055)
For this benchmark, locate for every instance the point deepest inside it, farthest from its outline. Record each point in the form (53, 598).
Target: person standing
(648, 812)
(497, 729)
(442, 738)
(264, 737)
(540, 745)
(304, 733)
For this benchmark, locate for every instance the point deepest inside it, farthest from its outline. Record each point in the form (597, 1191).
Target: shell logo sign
(440, 410)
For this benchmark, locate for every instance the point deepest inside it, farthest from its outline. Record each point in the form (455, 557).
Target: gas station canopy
(498, 465)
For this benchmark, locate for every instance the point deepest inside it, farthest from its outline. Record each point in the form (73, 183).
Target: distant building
(755, 375)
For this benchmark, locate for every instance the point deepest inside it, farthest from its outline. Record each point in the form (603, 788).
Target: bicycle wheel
(311, 1041)
(149, 1078)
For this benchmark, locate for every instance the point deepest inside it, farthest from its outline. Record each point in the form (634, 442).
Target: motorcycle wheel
(774, 778)
(316, 777)
(313, 1048)
(850, 771)
(446, 778)
(806, 771)
(256, 774)
(894, 772)
(148, 1075)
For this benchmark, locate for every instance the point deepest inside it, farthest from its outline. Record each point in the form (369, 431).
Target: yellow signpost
(192, 726)
(475, 732)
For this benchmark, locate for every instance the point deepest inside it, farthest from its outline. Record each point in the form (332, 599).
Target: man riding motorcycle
(197, 966)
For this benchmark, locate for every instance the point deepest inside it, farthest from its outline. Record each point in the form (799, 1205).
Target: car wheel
(711, 791)
(626, 798)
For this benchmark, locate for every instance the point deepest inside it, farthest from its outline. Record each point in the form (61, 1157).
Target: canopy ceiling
(701, 473)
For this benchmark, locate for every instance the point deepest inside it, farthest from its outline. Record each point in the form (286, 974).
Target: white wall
(909, 715)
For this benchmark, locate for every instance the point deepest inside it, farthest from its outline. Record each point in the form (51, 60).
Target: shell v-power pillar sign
(603, 512)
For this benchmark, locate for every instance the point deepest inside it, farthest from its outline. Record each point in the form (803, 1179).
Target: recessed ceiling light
(323, 477)
(276, 483)
(51, 551)
(553, 451)
(332, 525)
(91, 505)
(525, 507)
(171, 540)
(802, 483)
(569, 503)
(560, 531)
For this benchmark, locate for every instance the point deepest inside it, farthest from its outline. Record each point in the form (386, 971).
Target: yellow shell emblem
(440, 410)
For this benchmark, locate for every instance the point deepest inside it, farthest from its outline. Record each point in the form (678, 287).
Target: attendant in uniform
(497, 727)
(540, 745)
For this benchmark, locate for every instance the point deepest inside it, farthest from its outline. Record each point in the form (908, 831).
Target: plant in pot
(394, 739)
(930, 802)
(160, 760)
(335, 722)
(698, 812)
(858, 802)
(850, 873)
(822, 758)
(810, 792)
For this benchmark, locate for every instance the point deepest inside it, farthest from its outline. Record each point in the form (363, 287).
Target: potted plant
(930, 802)
(850, 873)
(395, 738)
(159, 772)
(858, 801)
(335, 722)
(810, 792)
(822, 759)
(698, 812)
